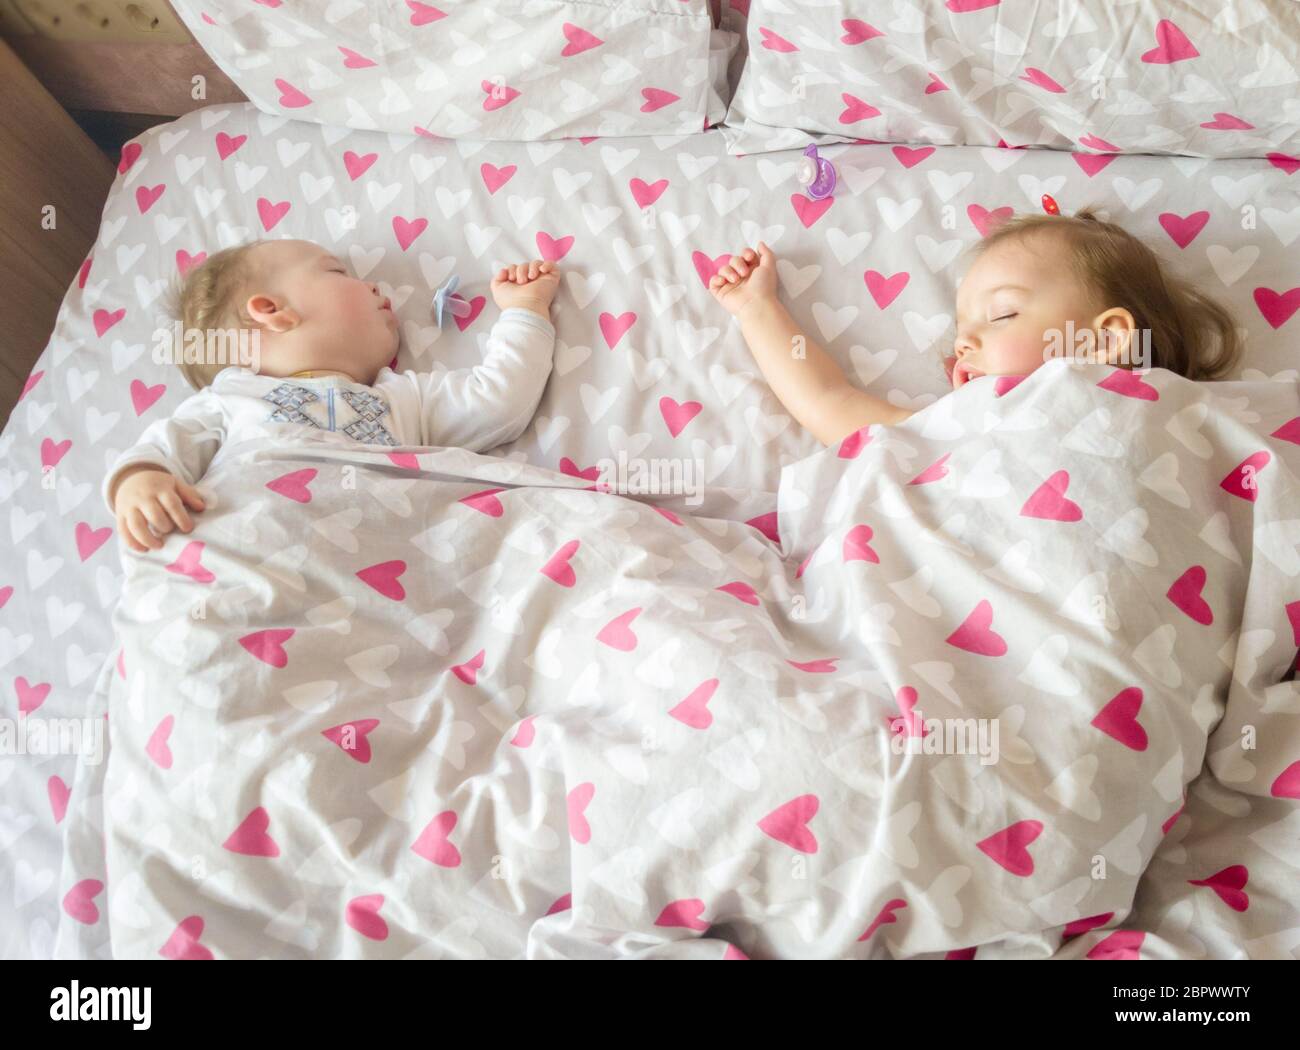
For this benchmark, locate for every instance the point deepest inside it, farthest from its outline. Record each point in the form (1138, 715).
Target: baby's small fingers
(533, 269)
(140, 529)
(750, 255)
(124, 530)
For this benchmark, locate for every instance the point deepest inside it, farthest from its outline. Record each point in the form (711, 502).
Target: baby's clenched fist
(528, 286)
(148, 496)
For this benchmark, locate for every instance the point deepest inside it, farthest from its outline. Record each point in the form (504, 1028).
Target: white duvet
(948, 697)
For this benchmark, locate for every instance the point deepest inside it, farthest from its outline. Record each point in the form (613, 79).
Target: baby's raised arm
(805, 379)
(481, 407)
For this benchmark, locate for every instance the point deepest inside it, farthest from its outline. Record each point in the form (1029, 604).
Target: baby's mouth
(963, 373)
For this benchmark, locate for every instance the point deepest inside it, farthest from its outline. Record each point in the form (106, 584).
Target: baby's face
(1015, 296)
(343, 321)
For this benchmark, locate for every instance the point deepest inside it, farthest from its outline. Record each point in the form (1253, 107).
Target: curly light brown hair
(1191, 333)
(211, 296)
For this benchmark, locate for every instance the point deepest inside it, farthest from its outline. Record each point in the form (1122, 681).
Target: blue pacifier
(816, 174)
(445, 298)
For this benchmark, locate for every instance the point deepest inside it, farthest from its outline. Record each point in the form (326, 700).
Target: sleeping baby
(324, 342)
(1036, 280)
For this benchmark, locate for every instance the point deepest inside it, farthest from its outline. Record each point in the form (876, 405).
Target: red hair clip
(1050, 206)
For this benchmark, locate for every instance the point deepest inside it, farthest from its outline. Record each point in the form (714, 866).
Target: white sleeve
(481, 407)
(183, 443)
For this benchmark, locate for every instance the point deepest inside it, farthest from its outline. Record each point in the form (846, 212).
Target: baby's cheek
(1029, 352)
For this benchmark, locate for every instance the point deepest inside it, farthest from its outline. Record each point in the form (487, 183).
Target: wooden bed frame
(68, 109)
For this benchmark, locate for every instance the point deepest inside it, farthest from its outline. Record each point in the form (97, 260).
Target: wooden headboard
(62, 99)
(117, 90)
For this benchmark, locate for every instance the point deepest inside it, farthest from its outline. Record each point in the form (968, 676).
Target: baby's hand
(529, 286)
(152, 496)
(750, 277)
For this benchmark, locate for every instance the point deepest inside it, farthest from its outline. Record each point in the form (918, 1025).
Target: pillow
(476, 69)
(1196, 77)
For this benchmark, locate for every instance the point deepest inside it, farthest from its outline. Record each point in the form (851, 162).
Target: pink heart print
(936, 471)
(1010, 846)
(353, 60)
(252, 837)
(268, 645)
(576, 804)
(1230, 885)
(884, 917)
(79, 901)
(976, 635)
(1049, 500)
(1243, 480)
(788, 824)
(884, 290)
(1172, 45)
(558, 568)
(485, 502)
(741, 591)
(1122, 944)
(352, 738)
(468, 671)
(684, 913)
(1129, 384)
(290, 96)
(617, 634)
(823, 666)
(579, 40)
(90, 540)
(694, 710)
(1119, 719)
(30, 697)
(857, 546)
(809, 210)
(678, 414)
(59, 793)
(434, 843)
(1185, 593)
(184, 941)
(614, 328)
(1276, 307)
(385, 577)
(362, 914)
(294, 485)
(190, 563)
(157, 748)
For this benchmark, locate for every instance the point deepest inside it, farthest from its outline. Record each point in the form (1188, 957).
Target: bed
(102, 860)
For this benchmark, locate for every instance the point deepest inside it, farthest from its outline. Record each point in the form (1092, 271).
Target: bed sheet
(646, 363)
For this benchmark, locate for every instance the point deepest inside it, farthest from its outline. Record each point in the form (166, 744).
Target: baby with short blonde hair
(324, 343)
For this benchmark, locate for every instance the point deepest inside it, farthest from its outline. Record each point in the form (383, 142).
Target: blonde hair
(1191, 333)
(211, 296)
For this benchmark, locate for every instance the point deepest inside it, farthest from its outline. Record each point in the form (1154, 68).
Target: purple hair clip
(816, 174)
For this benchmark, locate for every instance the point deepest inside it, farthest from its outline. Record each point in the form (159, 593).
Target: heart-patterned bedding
(647, 366)
(1197, 77)
(947, 701)
(505, 69)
